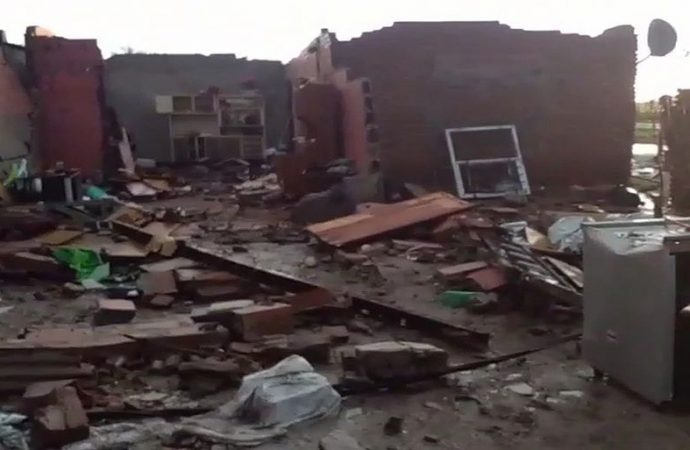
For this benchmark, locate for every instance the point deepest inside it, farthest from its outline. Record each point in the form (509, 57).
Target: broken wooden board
(169, 264)
(158, 184)
(125, 250)
(459, 271)
(160, 228)
(59, 237)
(125, 150)
(100, 343)
(19, 370)
(384, 219)
(140, 189)
(130, 213)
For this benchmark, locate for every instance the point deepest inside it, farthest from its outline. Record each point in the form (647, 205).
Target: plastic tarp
(566, 233)
(266, 404)
(12, 438)
(287, 393)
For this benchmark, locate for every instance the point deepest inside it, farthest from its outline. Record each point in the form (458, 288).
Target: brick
(488, 279)
(213, 292)
(113, 311)
(314, 347)
(221, 312)
(338, 334)
(458, 271)
(63, 422)
(153, 283)
(255, 321)
(42, 394)
(192, 277)
(162, 301)
(310, 299)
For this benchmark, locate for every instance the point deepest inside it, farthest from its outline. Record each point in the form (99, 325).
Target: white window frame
(517, 160)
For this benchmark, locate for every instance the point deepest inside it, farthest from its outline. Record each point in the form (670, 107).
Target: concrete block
(113, 311)
(153, 283)
(398, 359)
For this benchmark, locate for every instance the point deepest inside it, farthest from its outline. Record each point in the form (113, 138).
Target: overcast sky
(275, 29)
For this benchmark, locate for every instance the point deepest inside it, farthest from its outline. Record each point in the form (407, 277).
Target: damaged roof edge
(168, 56)
(469, 24)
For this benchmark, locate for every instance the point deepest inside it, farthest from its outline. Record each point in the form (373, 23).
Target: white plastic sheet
(266, 404)
(287, 393)
(12, 438)
(566, 233)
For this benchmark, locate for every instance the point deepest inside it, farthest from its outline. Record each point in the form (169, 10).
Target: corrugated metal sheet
(386, 218)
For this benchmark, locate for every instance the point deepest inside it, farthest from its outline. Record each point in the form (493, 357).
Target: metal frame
(517, 160)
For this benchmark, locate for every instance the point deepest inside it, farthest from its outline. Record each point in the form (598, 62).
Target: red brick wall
(67, 76)
(571, 97)
(316, 113)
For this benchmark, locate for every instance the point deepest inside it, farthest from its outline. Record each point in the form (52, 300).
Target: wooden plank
(168, 264)
(459, 271)
(44, 372)
(364, 226)
(126, 152)
(105, 341)
(59, 237)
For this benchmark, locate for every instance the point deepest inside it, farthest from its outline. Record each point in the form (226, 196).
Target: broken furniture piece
(487, 161)
(214, 125)
(49, 187)
(636, 288)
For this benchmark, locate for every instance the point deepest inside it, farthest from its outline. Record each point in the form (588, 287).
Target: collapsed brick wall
(67, 76)
(571, 97)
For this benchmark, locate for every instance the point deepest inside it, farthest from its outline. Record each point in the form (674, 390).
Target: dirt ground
(563, 407)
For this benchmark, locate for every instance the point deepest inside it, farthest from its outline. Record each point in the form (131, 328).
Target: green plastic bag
(86, 263)
(458, 299)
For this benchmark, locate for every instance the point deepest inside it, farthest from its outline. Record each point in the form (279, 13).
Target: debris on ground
(132, 315)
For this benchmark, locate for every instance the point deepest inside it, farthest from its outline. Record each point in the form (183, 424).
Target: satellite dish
(661, 38)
